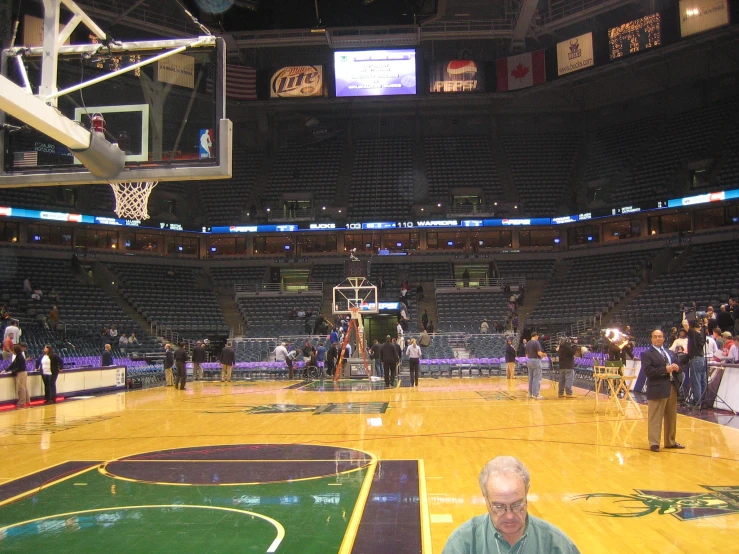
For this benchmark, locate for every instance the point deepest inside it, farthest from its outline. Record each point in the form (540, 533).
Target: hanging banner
(697, 16)
(299, 81)
(575, 54)
(33, 31)
(178, 69)
(457, 76)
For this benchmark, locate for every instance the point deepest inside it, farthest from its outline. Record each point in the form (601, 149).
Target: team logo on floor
(315, 409)
(720, 501)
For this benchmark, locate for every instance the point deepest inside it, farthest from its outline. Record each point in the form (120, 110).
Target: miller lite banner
(457, 76)
(298, 81)
(575, 54)
(697, 16)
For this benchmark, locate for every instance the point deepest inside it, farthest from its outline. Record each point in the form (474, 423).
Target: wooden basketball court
(351, 467)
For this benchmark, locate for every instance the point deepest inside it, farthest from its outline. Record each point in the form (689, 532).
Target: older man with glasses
(507, 527)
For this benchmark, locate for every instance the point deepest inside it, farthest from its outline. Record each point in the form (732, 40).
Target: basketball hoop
(132, 199)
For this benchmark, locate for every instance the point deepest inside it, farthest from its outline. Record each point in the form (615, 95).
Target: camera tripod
(697, 407)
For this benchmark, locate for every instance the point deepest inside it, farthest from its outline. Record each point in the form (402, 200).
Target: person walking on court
(168, 365)
(510, 360)
(376, 354)
(533, 362)
(389, 356)
(107, 358)
(228, 358)
(414, 355)
(180, 363)
(50, 364)
(198, 358)
(663, 381)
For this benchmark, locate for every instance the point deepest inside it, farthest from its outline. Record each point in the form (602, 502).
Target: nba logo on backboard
(206, 143)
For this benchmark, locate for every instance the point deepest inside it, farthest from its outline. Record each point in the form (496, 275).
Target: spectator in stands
(107, 358)
(505, 482)
(399, 333)
(27, 287)
(430, 327)
(672, 335)
(663, 380)
(419, 293)
(498, 326)
(732, 356)
(566, 352)
(484, 327)
(132, 340)
(425, 319)
(414, 361)
(711, 349)
(466, 277)
(381, 285)
(168, 364)
(8, 346)
(425, 340)
(292, 314)
(54, 295)
(717, 338)
(180, 364)
(17, 368)
(681, 340)
(37, 294)
(306, 323)
(112, 332)
(711, 317)
(53, 317)
(734, 309)
(50, 364)
(724, 319)
(228, 358)
(510, 360)
(514, 322)
(390, 359)
(123, 342)
(728, 343)
(404, 297)
(300, 314)
(376, 355)
(534, 354)
(198, 359)
(522, 348)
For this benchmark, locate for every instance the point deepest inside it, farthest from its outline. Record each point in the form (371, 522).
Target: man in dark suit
(228, 358)
(389, 356)
(663, 380)
(180, 364)
(107, 358)
(168, 364)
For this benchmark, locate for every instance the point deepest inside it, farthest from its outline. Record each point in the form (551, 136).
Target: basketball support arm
(103, 159)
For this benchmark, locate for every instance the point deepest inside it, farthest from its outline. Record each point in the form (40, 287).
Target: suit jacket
(228, 356)
(198, 355)
(389, 354)
(658, 380)
(168, 359)
(106, 359)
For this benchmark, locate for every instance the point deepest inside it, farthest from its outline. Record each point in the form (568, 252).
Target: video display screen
(635, 36)
(375, 72)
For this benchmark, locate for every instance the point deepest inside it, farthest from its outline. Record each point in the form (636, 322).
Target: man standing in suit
(228, 358)
(168, 364)
(389, 357)
(107, 358)
(663, 376)
(180, 364)
(198, 358)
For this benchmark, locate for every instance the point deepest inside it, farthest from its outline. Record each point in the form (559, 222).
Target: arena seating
(224, 201)
(464, 311)
(530, 269)
(728, 173)
(592, 285)
(610, 149)
(313, 169)
(487, 346)
(683, 138)
(83, 309)
(231, 275)
(698, 279)
(461, 162)
(541, 166)
(382, 179)
(424, 272)
(327, 273)
(269, 316)
(170, 296)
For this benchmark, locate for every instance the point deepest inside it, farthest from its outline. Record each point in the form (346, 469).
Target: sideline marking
(350, 534)
(424, 507)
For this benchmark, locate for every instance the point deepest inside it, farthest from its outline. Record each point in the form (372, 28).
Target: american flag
(25, 159)
(241, 83)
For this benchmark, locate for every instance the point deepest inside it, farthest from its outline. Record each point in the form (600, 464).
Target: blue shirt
(321, 357)
(479, 536)
(334, 338)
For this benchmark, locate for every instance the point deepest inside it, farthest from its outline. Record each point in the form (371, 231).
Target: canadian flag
(524, 70)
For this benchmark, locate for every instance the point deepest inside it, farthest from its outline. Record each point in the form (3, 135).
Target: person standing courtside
(566, 352)
(510, 360)
(376, 351)
(414, 359)
(198, 358)
(228, 358)
(389, 355)
(180, 364)
(663, 380)
(50, 364)
(168, 364)
(17, 368)
(696, 359)
(107, 358)
(533, 362)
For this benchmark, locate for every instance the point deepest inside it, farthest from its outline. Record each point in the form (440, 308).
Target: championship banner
(178, 69)
(301, 81)
(697, 16)
(522, 71)
(575, 54)
(457, 76)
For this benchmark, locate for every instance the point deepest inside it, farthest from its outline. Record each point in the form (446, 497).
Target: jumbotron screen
(375, 72)
(635, 36)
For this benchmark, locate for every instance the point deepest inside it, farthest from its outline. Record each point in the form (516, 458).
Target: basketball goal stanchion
(356, 326)
(132, 199)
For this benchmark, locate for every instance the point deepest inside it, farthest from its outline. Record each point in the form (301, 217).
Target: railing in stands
(277, 288)
(487, 283)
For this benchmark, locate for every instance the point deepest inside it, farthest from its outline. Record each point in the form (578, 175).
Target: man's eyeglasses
(501, 509)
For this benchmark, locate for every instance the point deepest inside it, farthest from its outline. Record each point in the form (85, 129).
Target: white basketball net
(132, 199)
